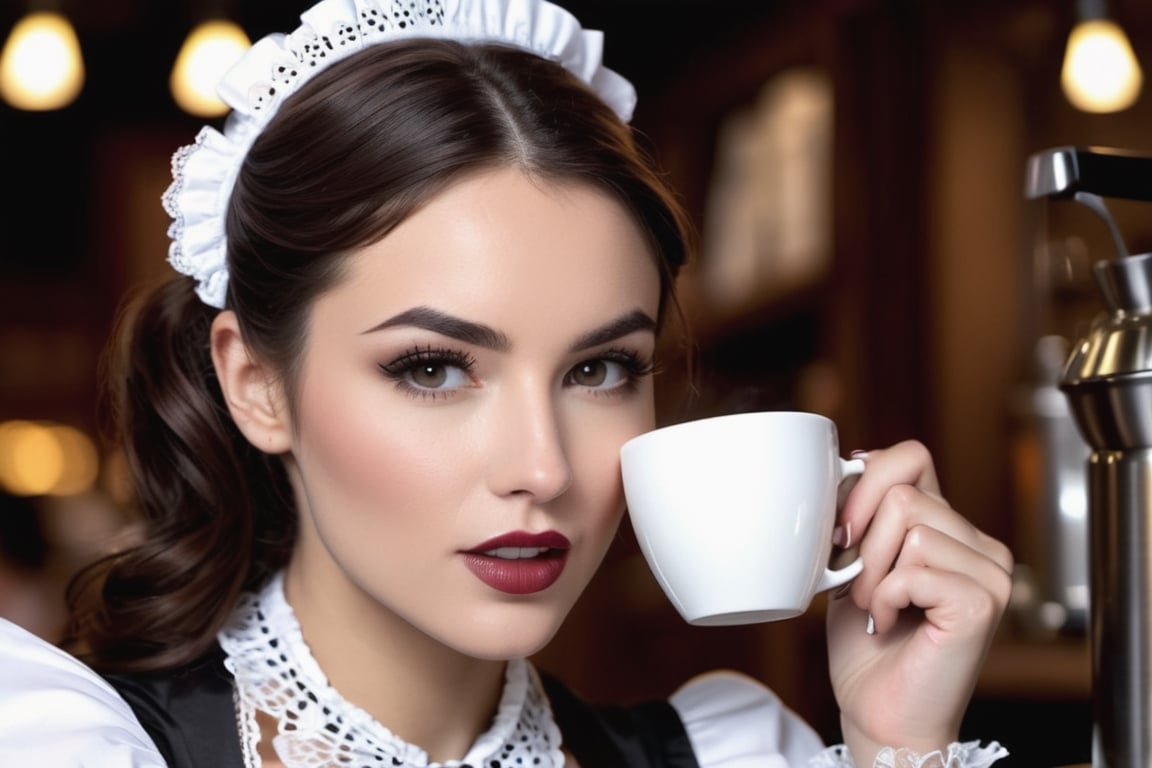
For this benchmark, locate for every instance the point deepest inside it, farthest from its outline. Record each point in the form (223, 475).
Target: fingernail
(842, 535)
(858, 454)
(871, 626)
(841, 590)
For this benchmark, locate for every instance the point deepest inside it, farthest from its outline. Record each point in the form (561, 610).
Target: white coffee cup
(734, 514)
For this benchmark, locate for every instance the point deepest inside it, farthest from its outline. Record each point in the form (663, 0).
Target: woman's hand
(935, 587)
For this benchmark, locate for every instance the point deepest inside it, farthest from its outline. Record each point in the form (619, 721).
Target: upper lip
(523, 539)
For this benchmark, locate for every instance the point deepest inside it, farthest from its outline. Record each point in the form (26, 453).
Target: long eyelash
(637, 366)
(418, 356)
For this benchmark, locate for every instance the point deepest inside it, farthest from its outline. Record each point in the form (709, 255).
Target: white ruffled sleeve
(55, 710)
(734, 721)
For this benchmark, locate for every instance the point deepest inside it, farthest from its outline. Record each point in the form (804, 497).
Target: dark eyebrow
(620, 327)
(484, 336)
(453, 327)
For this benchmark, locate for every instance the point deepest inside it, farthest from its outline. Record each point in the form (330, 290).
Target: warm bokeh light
(44, 458)
(41, 67)
(1100, 73)
(207, 54)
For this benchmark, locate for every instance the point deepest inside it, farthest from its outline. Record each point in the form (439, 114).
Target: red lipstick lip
(547, 539)
(519, 576)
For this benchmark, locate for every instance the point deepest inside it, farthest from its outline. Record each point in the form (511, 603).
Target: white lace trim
(968, 754)
(317, 728)
(249, 731)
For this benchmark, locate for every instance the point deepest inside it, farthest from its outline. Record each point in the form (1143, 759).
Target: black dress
(191, 716)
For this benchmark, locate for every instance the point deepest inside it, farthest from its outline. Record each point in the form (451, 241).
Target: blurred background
(856, 170)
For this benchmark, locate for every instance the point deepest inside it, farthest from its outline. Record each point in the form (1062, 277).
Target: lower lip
(517, 577)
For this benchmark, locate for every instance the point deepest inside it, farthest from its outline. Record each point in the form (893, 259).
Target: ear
(252, 391)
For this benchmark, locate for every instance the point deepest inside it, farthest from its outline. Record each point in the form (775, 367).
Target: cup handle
(835, 577)
(850, 467)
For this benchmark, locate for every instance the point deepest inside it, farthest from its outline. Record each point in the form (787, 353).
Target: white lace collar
(276, 674)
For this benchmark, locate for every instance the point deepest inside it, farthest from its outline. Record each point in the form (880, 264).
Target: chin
(507, 635)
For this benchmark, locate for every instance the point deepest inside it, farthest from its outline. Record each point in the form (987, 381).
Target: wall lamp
(1100, 72)
(210, 49)
(40, 65)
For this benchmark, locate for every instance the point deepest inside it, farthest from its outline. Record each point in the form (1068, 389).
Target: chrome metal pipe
(1107, 380)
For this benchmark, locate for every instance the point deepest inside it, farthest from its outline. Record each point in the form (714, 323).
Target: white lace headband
(204, 172)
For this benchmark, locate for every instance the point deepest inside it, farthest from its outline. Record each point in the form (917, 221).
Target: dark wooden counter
(1056, 667)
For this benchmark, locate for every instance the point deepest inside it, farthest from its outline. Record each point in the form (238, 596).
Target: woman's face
(463, 397)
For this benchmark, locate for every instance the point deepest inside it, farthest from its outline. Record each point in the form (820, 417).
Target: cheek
(596, 458)
(356, 458)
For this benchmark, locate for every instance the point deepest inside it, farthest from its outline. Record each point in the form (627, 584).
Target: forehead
(506, 248)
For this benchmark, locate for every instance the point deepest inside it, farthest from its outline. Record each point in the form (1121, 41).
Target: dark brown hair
(359, 148)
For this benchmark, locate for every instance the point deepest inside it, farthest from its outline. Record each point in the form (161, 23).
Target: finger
(926, 547)
(901, 508)
(906, 463)
(901, 513)
(918, 515)
(931, 547)
(955, 605)
(961, 548)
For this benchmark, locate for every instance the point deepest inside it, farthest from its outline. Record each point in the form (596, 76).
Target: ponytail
(217, 514)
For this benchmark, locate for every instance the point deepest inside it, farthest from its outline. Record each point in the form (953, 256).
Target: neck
(426, 693)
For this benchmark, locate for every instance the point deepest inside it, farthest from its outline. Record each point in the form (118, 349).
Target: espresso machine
(1107, 380)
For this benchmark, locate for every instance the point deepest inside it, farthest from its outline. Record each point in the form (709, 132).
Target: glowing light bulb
(1100, 72)
(208, 52)
(41, 67)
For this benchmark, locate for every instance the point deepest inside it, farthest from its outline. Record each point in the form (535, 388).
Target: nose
(531, 456)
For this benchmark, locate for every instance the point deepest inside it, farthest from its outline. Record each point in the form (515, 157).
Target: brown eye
(591, 373)
(429, 376)
(431, 370)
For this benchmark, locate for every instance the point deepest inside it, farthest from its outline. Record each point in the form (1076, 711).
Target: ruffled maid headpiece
(204, 172)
